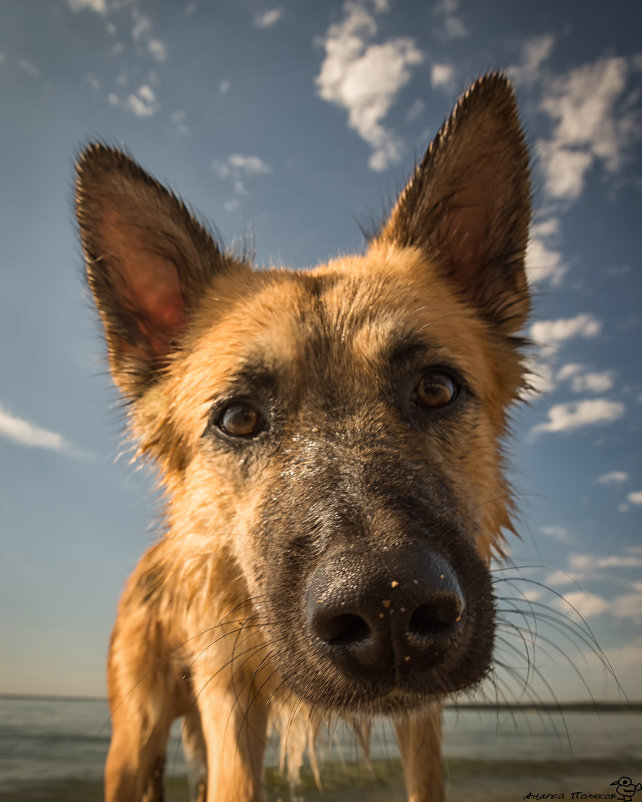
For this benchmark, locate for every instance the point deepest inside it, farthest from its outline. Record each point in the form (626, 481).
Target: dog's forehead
(364, 310)
(354, 312)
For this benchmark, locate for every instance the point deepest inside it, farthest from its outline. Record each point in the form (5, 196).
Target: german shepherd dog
(330, 444)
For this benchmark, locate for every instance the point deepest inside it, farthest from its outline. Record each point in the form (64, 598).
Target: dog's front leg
(419, 737)
(234, 721)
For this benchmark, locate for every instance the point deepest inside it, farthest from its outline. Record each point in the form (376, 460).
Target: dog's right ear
(148, 260)
(467, 206)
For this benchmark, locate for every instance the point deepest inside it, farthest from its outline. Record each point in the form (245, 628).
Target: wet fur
(212, 624)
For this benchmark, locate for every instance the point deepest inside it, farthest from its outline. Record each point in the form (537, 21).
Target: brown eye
(436, 390)
(240, 420)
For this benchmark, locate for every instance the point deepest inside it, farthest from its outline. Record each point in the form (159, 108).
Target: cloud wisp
(238, 167)
(613, 478)
(452, 25)
(592, 125)
(365, 78)
(143, 102)
(99, 6)
(582, 380)
(543, 261)
(29, 434)
(268, 18)
(551, 334)
(578, 414)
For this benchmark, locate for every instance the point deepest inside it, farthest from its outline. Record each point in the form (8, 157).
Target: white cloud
(565, 169)
(442, 76)
(593, 382)
(577, 414)
(635, 497)
(628, 605)
(232, 205)
(589, 127)
(27, 66)
(250, 165)
(591, 562)
(416, 110)
(365, 78)
(569, 370)
(585, 566)
(586, 381)
(238, 167)
(540, 378)
(534, 52)
(588, 605)
(552, 333)
(93, 82)
(560, 578)
(179, 118)
(453, 26)
(158, 49)
(612, 478)
(559, 533)
(543, 262)
(100, 6)
(142, 24)
(224, 87)
(268, 18)
(28, 434)
(143, 103)
(549, 336)
(625, 661)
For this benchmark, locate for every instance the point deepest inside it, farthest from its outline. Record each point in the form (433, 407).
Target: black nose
(380, 615)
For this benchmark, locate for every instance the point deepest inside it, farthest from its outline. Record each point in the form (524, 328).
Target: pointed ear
(148, 260)
(467, 206)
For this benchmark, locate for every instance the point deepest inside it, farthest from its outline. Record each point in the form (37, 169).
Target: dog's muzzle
(387, 614)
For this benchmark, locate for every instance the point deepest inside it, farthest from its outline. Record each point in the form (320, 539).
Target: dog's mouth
(389, 631)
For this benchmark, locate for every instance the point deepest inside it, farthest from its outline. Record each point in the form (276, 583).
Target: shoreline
(552, 706)
(470, 780)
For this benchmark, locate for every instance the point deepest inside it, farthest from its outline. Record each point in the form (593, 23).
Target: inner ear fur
(148, 260)
(467, 205)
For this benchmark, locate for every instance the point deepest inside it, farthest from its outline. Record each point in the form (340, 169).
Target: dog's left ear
(148, 263)
(467, 206)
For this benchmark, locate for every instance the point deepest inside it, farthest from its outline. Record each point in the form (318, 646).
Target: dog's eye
(240, 420)
(436, 390)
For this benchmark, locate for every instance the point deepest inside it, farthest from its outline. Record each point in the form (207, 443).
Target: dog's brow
(253, 373)
(405, 347)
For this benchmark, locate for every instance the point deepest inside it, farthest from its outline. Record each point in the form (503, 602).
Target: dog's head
(337, 431)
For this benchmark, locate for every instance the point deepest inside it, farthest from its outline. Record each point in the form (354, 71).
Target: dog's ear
(467, 205)
(147, 258)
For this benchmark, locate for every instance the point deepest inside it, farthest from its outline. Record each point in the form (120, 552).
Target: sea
(54, 749)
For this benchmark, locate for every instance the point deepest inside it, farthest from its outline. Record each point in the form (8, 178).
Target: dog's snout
(383, 615)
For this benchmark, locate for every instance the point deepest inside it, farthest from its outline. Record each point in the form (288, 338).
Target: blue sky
(284, 125)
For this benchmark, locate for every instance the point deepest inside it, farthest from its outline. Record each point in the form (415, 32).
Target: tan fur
(182, 321)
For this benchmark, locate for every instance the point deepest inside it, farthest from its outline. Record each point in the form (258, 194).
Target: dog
(330, 442)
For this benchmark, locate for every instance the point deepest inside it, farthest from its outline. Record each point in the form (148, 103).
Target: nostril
(435, 617)
(343, 629)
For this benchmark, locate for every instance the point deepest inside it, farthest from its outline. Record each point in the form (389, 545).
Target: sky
(286, 126)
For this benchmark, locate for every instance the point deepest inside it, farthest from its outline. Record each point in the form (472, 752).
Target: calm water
(55, 749)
